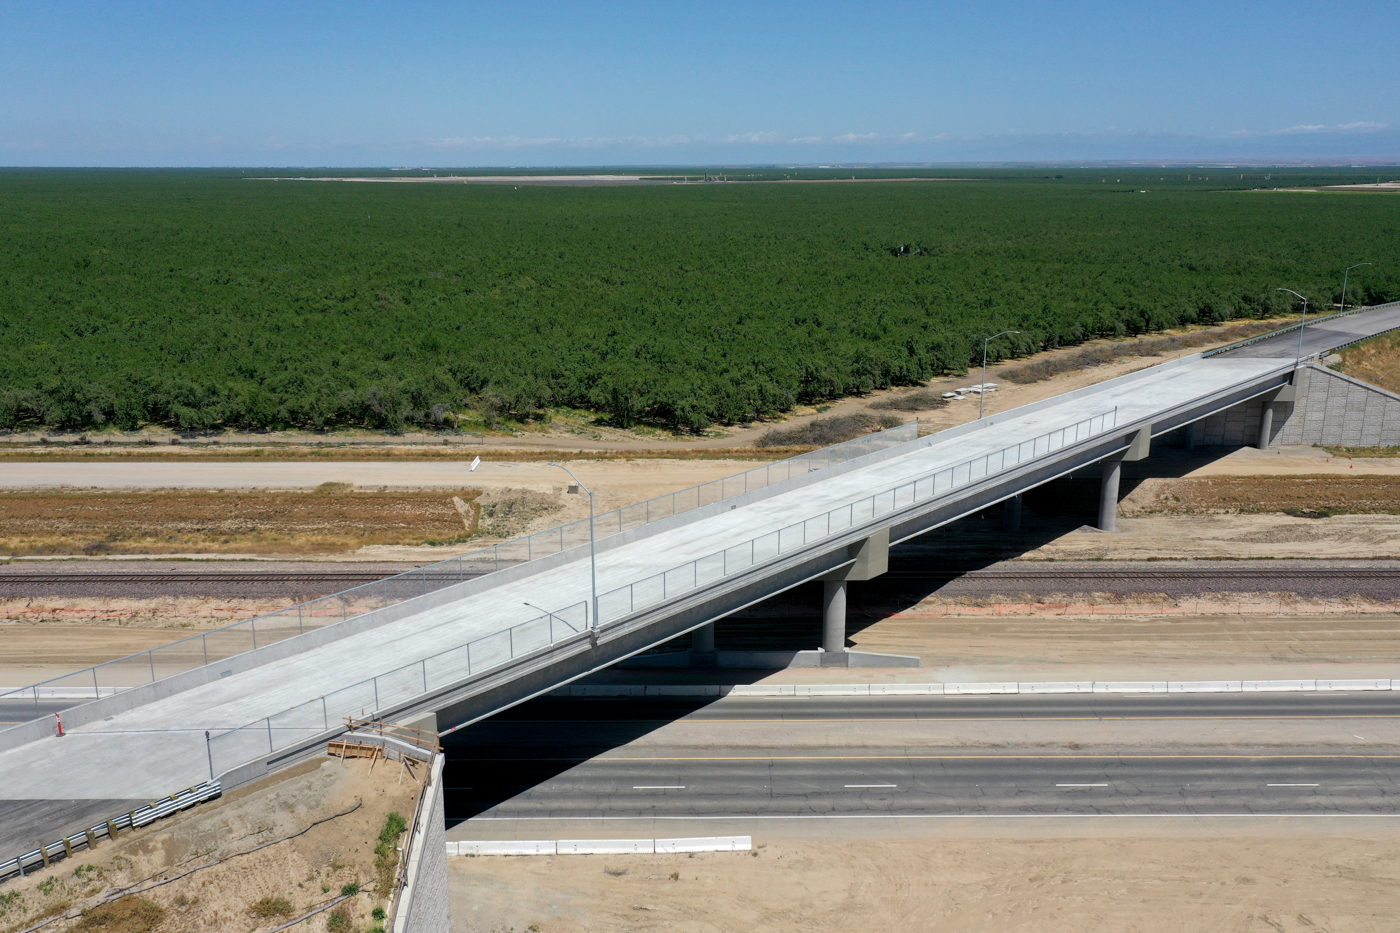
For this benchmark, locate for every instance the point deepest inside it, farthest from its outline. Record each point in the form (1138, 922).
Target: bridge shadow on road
(499, 759)
(494, 761)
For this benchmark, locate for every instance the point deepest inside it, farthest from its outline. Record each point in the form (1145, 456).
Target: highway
(656, 585)
(620, 760)
(172, 729)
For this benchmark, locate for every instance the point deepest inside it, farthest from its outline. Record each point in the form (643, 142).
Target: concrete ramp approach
(468, 650)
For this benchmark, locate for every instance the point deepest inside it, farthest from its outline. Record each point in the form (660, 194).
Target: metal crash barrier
(43, 856)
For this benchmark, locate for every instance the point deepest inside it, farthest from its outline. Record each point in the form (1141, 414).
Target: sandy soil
(307, 871)
(1229, 537)
(630, 479)
(1149, 885)
(1241, 636)
(394, 523)
(970, 647)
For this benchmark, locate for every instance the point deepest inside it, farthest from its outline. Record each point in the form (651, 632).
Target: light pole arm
(982, 396)
(1298, 361)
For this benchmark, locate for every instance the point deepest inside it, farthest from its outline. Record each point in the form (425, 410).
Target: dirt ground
(1242, 884)
(1312, 495)
(334, 518)
(220, 888)
(1079, 642)
(1236, 505)
(325, 516)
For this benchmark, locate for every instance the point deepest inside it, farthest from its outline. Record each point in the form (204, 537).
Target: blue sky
(616, 83)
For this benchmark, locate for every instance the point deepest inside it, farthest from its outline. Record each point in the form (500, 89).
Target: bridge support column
(702, 640)
(1266, 425)
(1108, 494)
(1011, 514)
(834, 616)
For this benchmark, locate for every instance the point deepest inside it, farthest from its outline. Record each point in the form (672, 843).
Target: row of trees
(207, 302)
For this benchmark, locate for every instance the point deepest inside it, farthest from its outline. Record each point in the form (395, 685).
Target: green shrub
(271, 907)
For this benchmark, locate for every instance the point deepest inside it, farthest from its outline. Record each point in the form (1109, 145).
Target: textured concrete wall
(1234, 427)
(1331, 409)
(425, 906)
(1337, 409)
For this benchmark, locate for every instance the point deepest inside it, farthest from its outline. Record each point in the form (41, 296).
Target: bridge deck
(154, 748)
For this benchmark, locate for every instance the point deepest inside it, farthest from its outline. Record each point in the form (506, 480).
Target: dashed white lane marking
(872, 785)
(1081, 785)
(1290, 785)
(659, 787)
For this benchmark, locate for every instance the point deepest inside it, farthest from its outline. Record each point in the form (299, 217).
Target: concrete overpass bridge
(464, 639)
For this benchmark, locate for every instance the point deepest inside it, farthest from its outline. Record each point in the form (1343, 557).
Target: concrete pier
(833, 615)
(1011, 514)
(702, 640)
(1266, 425)
(1108, 493)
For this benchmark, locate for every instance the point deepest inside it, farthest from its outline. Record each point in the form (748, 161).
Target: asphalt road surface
(16, 711)
(571, 760)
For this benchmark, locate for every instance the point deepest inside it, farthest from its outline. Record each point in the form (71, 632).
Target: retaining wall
(423, 903)
(1336, 409)
(1331, 408)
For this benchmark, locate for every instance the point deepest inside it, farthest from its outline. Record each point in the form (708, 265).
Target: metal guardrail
(360, 701)
(87, 838)
(239, 637)
(268, 735)
(658, 588)
(1292, 327)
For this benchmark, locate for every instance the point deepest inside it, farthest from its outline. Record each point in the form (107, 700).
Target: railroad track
(356, 577)
(1325, 573)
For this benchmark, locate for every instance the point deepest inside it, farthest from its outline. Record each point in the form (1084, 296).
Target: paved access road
(603, 759)
(1318, 338)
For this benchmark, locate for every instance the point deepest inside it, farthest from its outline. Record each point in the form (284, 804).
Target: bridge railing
(236, 638)
(366, 698)
(653, 590)
(561, 537)
(384, 691)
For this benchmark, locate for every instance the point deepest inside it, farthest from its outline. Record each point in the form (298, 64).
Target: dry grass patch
(1301, 496)
(822, 432)
(1053, 364)
(266, 907)
(126, 915)
(918, 400)
(1376, 361)
(331, 518)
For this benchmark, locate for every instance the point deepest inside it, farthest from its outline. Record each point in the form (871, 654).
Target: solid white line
(872, 785)
(1290, 785)
(660, 787)
(1081, 785)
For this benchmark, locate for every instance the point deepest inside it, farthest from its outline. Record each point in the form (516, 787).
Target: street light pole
(592, 551)
(982, 396)
(1299, 361)
(1344, 283)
